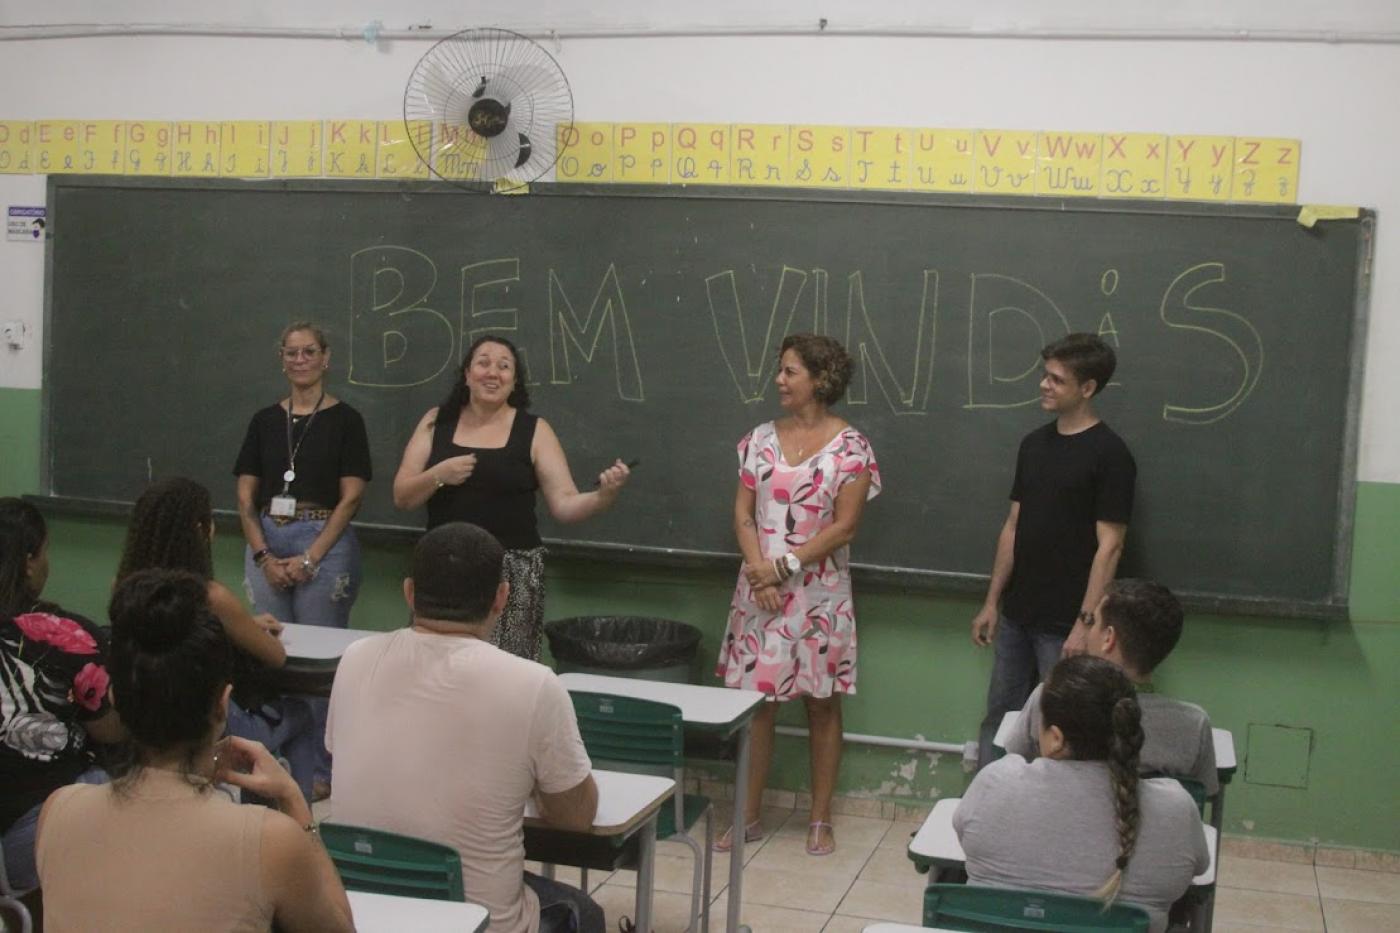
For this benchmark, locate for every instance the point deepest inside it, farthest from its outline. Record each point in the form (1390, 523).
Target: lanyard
(291, 473)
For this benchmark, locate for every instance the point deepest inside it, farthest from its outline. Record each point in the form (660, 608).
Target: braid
(169, 530)
(1124, 747)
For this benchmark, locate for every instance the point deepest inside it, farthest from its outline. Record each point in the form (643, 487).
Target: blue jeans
(1024, 657)
(325, 600)
(287, 726)
(18, 843)
(564, 908)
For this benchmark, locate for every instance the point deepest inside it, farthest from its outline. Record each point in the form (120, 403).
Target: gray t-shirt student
(1048, 825)
(1177, 739)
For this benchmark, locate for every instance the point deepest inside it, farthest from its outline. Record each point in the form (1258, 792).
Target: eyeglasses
(300, 353)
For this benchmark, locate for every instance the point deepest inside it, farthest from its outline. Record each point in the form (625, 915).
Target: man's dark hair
(456, 570)
(1086, 355)
(1147, 618)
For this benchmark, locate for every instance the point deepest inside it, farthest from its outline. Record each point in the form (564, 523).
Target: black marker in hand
(631, 465)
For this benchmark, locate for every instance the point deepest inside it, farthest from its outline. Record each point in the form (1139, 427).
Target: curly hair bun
(158, 609)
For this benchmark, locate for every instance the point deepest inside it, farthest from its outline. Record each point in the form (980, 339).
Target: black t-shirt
(500, 494)
(336, 445)
(1064, 483)
(53, 673)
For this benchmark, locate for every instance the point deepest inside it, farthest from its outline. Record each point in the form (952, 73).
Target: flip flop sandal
(814, 835)
(752, 833)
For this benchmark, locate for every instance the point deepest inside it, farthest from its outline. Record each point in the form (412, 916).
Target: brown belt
(301, 515)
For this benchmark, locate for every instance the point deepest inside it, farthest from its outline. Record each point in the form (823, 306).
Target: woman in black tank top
(479, 457)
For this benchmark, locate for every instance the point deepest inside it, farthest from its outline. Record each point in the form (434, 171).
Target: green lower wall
(920, 676)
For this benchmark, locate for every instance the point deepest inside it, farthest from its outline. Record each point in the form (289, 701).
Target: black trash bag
(622, 643)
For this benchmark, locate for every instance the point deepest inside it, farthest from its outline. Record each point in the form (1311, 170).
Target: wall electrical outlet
(15, 334)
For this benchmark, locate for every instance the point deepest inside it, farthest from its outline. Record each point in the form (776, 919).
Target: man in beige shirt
(438, 734)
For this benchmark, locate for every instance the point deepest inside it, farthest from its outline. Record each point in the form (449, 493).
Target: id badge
(282, 506)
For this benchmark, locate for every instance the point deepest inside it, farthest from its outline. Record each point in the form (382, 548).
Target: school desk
(388, 913)
(709, 713)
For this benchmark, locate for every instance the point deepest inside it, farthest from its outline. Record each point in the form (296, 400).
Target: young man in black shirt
(1059, 547)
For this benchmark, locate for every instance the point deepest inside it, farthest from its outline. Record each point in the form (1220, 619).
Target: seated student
(157, 849)
(1136, 625)
(1079, 820)
(172, 527)
(53, 690)
(436, 733)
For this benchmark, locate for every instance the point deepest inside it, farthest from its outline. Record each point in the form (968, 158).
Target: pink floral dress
(808, 647)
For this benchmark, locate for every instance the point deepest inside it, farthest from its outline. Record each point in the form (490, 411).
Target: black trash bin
(624, 646)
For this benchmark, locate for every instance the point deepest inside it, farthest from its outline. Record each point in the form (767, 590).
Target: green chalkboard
(649, 320)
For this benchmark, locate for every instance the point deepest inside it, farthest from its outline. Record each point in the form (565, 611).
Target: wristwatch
(791, 562)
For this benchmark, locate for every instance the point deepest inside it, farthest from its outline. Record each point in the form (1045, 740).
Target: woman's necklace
(806, 437)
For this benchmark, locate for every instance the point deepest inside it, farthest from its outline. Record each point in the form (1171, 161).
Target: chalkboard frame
(1335, 607)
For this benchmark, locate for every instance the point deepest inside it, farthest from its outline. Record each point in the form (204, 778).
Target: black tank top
(500, 494)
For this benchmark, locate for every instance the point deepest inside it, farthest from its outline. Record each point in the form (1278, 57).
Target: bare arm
(248, 512)
(573, 809)
(414, 483)
(296, 872)
(565, 502)
(275, 570)
(984, 624)
(746, 533)
(1110, 536)
(243, 630)
(352, 491)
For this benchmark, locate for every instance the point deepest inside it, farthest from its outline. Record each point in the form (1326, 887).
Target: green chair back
(387, 863)
(639, 734)
(966, 907)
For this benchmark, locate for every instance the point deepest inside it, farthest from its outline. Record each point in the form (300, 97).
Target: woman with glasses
(301, 475)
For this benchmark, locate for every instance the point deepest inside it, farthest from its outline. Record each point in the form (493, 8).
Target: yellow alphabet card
(399, 144)
(880, 157)
(700, 153)
(16, 140)
(148, 147)
(941, 160)
(195, 149)
(350, 148)
(55, 146)
(759, 154)
(458, 153)
(1005, 161)
(821, 156)
(1134, 165)
(642, 153)
(296, 149)
(585, 152)
(1068, 164)
(1266, 169)
(244, 146)
(1200, 168)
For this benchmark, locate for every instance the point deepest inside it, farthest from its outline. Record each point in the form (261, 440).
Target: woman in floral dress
(803, 482)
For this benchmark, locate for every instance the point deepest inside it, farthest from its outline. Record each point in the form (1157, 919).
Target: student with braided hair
(1079, 820)
(172, 528)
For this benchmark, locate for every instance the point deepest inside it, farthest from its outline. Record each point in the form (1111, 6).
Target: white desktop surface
(699, 706)
(319, 642)
(386, 913)
(623, 800)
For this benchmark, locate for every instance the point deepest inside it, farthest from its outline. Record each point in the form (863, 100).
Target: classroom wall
(919, 675)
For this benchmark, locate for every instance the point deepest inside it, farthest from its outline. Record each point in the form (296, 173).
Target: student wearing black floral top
(53, 690)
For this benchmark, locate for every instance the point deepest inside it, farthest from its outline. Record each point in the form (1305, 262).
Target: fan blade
(525, 150)
(480, 88)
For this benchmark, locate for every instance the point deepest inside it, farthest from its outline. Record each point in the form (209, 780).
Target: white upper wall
(1339, 99)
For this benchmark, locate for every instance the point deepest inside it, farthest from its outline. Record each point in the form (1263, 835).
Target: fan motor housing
(488, 117)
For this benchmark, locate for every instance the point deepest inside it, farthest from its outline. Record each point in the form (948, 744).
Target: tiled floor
(870, 878)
